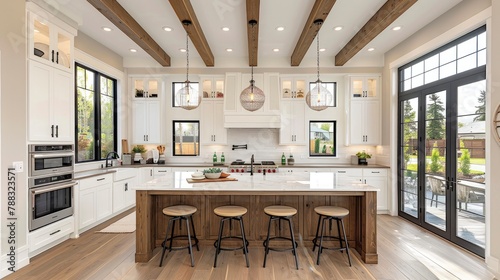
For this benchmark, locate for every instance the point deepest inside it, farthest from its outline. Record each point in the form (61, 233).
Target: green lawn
(481, 161)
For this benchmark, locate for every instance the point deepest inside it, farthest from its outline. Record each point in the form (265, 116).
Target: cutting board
(124, 146)
(190, 180)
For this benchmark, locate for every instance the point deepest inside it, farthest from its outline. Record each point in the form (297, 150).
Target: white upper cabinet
(212, 87)
(146, 88)
(50, 104)
(212, 123)
(293, 87)
(50, 40)
(146, 122)
(293, 131)
(364, 87)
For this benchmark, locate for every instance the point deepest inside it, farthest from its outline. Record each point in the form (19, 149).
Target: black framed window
(186, 138)
(331, 87)
(322, 138)
(176, 86)
(95, 106)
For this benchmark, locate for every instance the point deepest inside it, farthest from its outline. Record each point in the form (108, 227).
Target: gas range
(258, 167)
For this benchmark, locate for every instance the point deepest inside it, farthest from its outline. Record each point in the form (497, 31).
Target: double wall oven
(50, 182)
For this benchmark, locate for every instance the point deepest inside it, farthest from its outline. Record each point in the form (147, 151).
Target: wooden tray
(190, 180)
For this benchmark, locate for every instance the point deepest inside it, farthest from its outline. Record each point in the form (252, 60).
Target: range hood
(252, 120)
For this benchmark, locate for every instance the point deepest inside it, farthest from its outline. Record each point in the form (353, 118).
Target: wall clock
(496, 124)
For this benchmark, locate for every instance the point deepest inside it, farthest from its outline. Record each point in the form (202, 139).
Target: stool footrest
(264, 243)
(230, 248)
(194, 242)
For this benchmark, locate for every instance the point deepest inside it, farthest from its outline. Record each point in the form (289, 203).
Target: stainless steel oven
(51, 199)
(50, 159)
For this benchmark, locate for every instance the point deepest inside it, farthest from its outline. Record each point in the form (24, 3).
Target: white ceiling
(153, 15)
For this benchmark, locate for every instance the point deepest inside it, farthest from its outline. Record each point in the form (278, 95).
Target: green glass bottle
(283, 159)
(215, 157)
(222, 158)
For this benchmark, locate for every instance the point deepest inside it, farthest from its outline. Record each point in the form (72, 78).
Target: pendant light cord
(252, 81)
(187, 56)
(317, 52)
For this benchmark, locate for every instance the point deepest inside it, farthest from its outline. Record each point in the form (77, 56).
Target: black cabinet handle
(52, 130)
(100, 179)
(341, 171)
(126, 186)
(57, 131)
(55, 232)
(52, 55)
(57, 57)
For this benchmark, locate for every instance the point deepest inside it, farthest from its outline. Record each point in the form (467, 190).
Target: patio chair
(438, 188)
(467, 194)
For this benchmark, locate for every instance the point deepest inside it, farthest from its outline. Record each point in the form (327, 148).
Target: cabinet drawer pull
(341, 171)
(55, 232)
(101, 179)
(162, 171)
(375, 172)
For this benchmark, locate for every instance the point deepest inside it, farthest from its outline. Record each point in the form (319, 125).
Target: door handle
(52, 130)
(57, 131)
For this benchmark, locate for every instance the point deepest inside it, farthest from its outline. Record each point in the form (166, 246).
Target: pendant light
(318, 98)
(187, 97)
(252, 98)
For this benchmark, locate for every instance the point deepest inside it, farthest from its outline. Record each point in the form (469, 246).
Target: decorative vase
(137, 157)
(362, 161)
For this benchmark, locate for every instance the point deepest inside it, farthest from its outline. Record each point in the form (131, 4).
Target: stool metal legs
(340, 222)
(171, 227)
(292, 239)
(217, 243)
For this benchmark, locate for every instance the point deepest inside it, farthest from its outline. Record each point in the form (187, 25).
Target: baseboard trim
(21, 261)
(493, 265)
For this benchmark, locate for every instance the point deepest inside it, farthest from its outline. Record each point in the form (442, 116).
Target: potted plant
(138, 150)
(362, 157)
(212, 173)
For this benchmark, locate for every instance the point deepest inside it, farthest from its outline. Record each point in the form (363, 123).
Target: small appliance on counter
(156, 155)
(126, 159)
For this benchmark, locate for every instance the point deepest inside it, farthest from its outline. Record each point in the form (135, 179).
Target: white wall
(463, 18)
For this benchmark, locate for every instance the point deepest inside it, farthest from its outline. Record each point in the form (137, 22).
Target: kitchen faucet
(110, 164)
(251, 166)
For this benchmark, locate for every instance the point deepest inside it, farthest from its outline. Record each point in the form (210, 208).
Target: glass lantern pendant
(186, 97)
(319, 97)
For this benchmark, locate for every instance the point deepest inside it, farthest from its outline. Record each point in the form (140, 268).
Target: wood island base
(360, 224)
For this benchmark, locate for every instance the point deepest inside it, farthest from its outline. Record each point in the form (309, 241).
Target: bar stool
(329, 213)
(230, 213)
(179, 212)
(280, 212)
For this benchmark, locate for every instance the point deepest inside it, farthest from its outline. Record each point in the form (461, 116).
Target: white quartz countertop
(317, 181)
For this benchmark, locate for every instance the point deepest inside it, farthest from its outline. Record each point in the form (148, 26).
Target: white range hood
(249, 120)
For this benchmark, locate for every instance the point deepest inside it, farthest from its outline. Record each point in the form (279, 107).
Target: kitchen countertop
(297, 182)
(94, 172)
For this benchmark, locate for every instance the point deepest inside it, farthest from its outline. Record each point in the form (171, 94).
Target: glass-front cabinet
(146, 88)
(293, 87)
(212, 87)
(50, 43)
(364, 86)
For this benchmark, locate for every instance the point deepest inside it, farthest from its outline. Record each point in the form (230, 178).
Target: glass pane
(86, 129)
(104, 85)
(322, 138)
(409, 192)
(417, 81)
(107, 127)
(417, 69)
(435, 160)
(431, 76)
(407, 73)
(186, 138)
(80, 77)
(471, 163)
(448, 55)
(467, 47)
(448, 70)
(153, 88)
(481, 41)
(466, 63)
(481, 58)
(89, 80)
(432, 62)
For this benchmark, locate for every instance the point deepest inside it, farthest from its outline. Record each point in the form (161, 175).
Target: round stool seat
(331, 211)
(230, 211)
(280, 211)
(179, 210)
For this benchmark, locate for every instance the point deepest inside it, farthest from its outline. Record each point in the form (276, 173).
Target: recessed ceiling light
(229, 50)
(322, 49)
(166, 28)
(133, 50)
(280, 28)
(396, 28)
(276, 50)
(182, 50)
(371, 49)
(107, 29)
(338, 28)
(225, 28)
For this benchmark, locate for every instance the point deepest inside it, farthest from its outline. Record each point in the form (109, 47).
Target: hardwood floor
(405, 252)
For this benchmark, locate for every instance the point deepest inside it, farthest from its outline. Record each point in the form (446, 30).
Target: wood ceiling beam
(320, 10)
(253, 7)
(113, 11)
(185, 11)
(384, 17)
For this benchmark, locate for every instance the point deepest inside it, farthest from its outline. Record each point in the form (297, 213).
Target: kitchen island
(302, 191)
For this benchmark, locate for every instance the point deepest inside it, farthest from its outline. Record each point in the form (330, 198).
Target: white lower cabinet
(348, 175)
(146, 174)
(161, 171)
(43, 238)
(377, 177)
(123, 194)
(95, 200)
